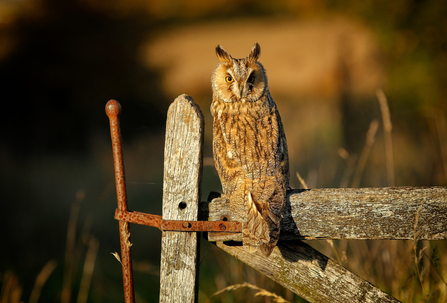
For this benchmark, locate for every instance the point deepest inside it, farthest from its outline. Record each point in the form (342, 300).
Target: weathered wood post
(181, 194)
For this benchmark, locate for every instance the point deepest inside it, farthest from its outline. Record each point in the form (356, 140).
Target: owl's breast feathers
(249, 138)
(250, 154)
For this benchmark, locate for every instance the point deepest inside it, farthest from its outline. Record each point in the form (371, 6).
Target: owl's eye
(229, 79)
(251, 79)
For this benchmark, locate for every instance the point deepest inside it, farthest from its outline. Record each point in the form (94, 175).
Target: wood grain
(368, 213)
(181, 192)
(310, 274)
(357, 213)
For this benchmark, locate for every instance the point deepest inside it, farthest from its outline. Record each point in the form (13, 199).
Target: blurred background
(335, 68)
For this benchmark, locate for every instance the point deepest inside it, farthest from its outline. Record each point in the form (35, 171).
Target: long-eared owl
(249, 147)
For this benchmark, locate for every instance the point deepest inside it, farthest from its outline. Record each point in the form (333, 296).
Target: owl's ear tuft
(222, 54)
(255, 52)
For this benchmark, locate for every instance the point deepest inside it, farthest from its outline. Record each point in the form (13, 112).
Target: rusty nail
(113, 109)
(222, 226)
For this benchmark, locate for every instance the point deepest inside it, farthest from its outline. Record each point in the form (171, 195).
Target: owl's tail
(260, 232)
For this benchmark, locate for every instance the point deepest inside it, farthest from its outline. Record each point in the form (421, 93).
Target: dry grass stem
(41, 279)
(303, 183)
(343, 153)
(261, 292)
(331, 243)
(89, 266)
(435, 266)
(387, 126)
(11, 291)
(117, 256)
(370, 138)
(438, 129)
(69, 250)
(418, 255)
(441, 125)
(350, 162)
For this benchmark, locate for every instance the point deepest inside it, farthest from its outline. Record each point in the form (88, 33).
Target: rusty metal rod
(113, 110)
(176, 225)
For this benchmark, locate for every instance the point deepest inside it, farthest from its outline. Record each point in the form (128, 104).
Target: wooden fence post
(181, 194)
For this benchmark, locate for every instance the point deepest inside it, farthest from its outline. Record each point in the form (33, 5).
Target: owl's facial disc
(252, 85)
(239, 81)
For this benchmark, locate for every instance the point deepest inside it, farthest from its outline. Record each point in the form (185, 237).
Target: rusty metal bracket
(173, 225)
(113, 110)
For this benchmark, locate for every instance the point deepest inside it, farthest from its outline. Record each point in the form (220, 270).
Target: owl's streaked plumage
(249, 147)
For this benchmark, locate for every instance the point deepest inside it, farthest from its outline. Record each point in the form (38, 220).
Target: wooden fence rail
(344, 213)
(387, 213)
(310, 274)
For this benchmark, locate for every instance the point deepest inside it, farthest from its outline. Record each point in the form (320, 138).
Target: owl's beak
(241, 90)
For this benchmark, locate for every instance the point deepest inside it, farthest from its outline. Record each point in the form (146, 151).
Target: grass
(11, 290)
(260, 292)
(41, 279)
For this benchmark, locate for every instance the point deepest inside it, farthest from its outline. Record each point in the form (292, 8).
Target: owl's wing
(269, 166)
(267, 169)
